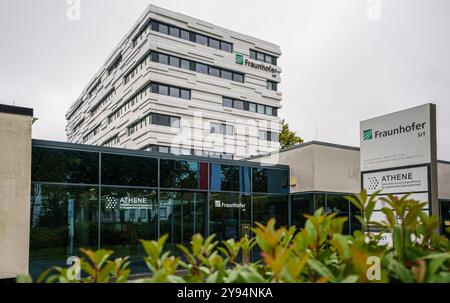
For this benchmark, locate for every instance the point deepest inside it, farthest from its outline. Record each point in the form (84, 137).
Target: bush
(318, 252)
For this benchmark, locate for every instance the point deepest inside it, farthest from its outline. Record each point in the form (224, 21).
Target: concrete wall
(15, 172)
(444, 180)
(320, 166)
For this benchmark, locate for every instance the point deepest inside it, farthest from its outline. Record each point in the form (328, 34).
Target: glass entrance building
(100, 197)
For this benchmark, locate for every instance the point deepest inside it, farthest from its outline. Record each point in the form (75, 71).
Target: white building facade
(181, 85)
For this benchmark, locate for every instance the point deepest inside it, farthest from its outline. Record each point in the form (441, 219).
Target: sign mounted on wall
(397, 181)
(395, 140)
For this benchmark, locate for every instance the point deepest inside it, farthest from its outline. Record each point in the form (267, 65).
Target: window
(201, 68)
(256, 55)
(185, 94)
(268, 136)
(183, 174)
(214, 72)
(129, 170)
(238, 77)
(238, 104)
(267, 180)
(164, 59)
(227, 102)
(252, 107)
(64, 166)
(185, 64)
(225, 46)
(175, 92)
(187, 35)
(184, 34)
(272, 85)
(221, 128)
(174, 31)
(261, 109)
(214, 43)
(227, 75)
(175, 61)
(164, 120)
(200, 39)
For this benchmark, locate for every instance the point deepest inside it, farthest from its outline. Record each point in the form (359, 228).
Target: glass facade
(307, 203)
(96, 197)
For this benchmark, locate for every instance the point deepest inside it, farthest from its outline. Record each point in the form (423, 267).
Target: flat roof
(354, 148)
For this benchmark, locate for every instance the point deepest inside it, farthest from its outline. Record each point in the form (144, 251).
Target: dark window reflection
(270, 180)
(445, 217)
(184, 174)
(63, 219)
(224, 177)
(340, 205)
(64, 166)
(182, 214)
(129, 170)
(266, 207)
(128, 215)
(301, 204)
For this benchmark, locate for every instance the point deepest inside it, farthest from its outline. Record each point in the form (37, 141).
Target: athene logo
(111, 202)
(373, 183)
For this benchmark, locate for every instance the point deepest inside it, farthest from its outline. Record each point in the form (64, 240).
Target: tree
(287, 137)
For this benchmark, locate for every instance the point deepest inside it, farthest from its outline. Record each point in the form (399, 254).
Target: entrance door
(228, 213)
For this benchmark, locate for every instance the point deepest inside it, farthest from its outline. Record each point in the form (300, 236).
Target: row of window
(114, 65)
(169, 90)
(94, 88)
(156, 119)
(221, 128)
(78, 125)
(268, 136)
(129, 104)
(91, 134)
(197, 67)
(191, 36)
(75, 111)
(259, 56)
(112, 142)
(138, 67)
(80, 167)
(249, 106)
(188, 151)
(108, 97)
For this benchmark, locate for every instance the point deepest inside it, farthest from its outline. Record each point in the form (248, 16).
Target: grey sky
(338, 67)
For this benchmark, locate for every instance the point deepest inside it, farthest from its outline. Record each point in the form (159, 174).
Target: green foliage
(318, 252)
(287, 137)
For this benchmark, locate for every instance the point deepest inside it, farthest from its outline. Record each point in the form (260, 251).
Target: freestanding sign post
(399, 156)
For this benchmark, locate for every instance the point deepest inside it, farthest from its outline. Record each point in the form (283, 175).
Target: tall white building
(181, 85)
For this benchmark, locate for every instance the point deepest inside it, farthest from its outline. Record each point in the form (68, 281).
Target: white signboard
(395, 140)
(407, 180)
(421, 197)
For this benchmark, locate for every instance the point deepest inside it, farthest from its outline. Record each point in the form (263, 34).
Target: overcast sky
(339, 65)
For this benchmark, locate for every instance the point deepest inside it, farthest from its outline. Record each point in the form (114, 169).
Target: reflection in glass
(182, 214)
(184, 174)
(266, 207)
(301, 204)
(270, 180)
(64, 166)
(127, 216)
(129, 170)
(63, 219)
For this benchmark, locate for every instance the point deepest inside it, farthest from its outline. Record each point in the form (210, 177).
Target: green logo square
(367, 135)
(239, 59)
